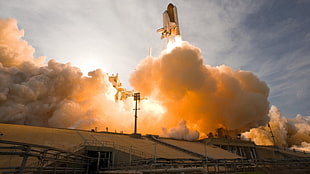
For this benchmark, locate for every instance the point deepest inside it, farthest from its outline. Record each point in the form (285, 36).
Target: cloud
(267, 39)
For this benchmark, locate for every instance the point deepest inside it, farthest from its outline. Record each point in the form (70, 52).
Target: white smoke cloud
(181, 132)
(304, 146)
(292, 132)
(56, 94)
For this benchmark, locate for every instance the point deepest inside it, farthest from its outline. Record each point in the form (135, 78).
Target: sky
(270, 38)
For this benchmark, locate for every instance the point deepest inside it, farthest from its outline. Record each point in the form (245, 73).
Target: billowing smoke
(56, 94)
(185, 97)
(181, 132)
(292, 132)
(53, 95)
(206, 97)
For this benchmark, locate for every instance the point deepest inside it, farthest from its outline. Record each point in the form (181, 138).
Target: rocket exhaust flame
(182, 91)
(173, 42)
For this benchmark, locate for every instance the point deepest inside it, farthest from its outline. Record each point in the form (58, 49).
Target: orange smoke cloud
(206, 97)
(178, 84)
(182, 91)
(13, 50)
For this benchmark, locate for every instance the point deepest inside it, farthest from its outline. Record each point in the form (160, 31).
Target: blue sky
(269, 38)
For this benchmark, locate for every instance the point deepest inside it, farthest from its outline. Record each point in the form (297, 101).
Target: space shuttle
(170, 23)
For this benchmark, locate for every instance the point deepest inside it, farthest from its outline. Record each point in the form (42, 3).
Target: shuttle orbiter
(170, 23)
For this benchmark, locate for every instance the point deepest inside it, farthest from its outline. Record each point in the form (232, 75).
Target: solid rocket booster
(170, 23)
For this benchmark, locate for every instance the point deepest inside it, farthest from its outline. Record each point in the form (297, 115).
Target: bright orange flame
(173, 42)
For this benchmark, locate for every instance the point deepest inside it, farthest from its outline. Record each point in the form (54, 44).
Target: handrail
(38, 146)
(44, 155)
(177, 147)
(127, 149)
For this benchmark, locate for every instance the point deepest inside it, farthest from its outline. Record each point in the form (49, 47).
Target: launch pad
(28, 149)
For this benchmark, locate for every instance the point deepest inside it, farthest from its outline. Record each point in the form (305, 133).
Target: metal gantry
(31, 158)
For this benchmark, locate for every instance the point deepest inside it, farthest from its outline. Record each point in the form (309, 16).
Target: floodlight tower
(136, 98)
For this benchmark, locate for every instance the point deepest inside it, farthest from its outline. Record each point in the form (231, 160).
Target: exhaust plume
(181, 90)
(206, 97)
(178, 84)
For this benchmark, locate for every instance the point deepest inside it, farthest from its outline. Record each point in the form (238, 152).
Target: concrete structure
(44, 150)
